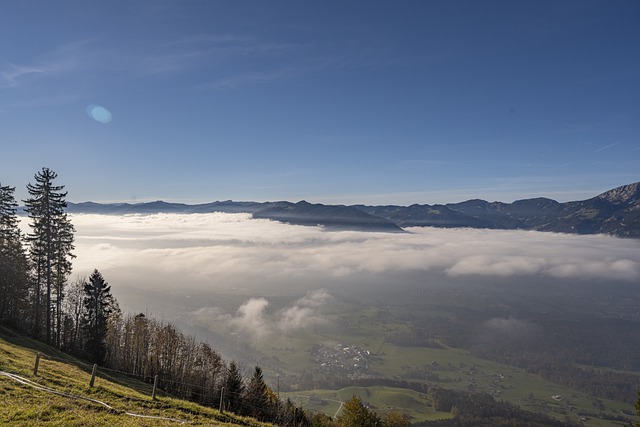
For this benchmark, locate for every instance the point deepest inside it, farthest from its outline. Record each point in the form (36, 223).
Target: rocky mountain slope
(615, 212)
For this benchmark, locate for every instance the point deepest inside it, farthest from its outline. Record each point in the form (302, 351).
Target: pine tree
(51, 245)
(233, 389)
(257, 399)
(14, 269)
(98, 303)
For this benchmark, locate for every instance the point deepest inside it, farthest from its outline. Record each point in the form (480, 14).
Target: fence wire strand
(228, 395)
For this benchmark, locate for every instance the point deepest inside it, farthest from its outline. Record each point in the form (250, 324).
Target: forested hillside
(83, 317)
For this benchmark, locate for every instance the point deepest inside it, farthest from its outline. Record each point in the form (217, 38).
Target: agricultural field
(373, 348)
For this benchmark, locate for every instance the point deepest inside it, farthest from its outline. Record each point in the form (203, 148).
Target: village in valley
(348, 361)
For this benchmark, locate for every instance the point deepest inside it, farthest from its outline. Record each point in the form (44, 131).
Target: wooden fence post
(155, 386)
(93, 375)
(35, 368)
(222, 401)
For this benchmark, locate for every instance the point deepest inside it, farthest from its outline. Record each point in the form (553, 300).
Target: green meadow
(23, 405)
(366, 327)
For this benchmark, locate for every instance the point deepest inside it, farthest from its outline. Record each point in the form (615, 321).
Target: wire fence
(27, 382)
(224, 399)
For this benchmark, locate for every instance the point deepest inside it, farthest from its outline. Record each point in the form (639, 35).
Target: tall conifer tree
(98, 304)
(257, 397)
(14, 269)
(51, 245)
(233, 389)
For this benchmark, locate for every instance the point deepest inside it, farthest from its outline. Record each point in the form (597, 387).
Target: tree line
(34, 268)
(83, 317)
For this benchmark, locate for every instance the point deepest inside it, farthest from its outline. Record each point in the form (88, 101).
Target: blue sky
(333, 102)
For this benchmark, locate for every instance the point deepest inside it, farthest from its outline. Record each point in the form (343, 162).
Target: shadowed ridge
(334, 217)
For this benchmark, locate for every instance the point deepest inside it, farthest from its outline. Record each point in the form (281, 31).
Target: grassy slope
(26, 406)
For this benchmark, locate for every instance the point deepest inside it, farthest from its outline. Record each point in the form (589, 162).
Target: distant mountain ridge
(159, 206)
(335, 217)
(615, 212)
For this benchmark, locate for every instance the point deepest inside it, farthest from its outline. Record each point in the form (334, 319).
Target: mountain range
(615, 212)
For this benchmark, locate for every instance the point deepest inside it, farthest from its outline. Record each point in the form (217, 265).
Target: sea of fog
(170, 264)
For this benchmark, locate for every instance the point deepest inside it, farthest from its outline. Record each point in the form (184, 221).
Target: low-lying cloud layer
(223, 251)
(304, 313)
(253, 320)
(250, 318)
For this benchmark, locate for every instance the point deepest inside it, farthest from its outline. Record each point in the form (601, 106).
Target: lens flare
(98, 113)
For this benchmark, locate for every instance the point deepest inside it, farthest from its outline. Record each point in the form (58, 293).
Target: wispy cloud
(288, 60)
(211, 52)
(89, 60)
(53, 78)
(251, 79)
(606, 147)
(212, 61)
(12, 75)
(66, 58)
(229, 43)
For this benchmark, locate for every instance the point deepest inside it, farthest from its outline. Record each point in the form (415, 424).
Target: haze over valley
(256, 289)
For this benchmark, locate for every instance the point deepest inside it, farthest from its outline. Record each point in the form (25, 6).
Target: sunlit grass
(26, 406)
